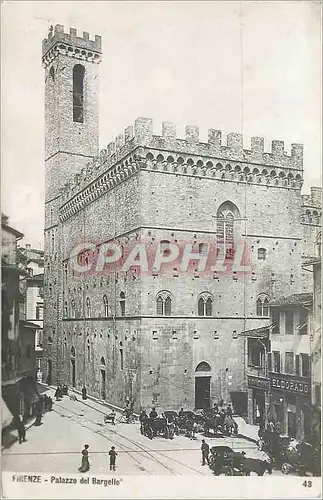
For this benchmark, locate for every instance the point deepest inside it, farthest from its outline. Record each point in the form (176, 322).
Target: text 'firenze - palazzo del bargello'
(172, 339)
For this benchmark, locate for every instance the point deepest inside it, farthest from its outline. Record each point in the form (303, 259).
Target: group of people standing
(45, 403)
(62, 390)
(85, 464)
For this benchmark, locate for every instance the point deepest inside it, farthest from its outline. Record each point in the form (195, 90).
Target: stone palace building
(166, 339)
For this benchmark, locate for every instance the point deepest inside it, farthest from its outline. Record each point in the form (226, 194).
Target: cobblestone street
(71, 424)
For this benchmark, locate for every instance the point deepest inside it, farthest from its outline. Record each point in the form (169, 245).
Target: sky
(247, 67)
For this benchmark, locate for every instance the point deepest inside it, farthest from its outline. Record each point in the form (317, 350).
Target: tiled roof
(296, 299)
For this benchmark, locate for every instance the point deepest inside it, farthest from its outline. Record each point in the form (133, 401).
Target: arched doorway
(202, 386)
(102, 379)
(73, 367)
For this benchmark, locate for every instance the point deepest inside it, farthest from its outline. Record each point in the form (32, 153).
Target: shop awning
(257, 333)
(28, 387)
(6, 415)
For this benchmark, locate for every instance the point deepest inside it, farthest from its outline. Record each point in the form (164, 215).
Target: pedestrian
(84, 393)
(85, 465)
(38, 417)
(21, 429)
(205, 452)
(229, 411)
(50, 404)
(194, 429)
(113, 455)
(45, 402)
(57, 394)
(153, 414)
(113, 417)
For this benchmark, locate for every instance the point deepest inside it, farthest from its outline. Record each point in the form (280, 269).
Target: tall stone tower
(71, 141)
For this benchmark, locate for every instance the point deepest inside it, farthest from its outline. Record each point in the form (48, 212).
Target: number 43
(307, 484)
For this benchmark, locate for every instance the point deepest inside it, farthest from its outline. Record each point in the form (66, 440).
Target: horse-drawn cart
(157, 427)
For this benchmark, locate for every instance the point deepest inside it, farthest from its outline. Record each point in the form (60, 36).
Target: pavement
(56, 445)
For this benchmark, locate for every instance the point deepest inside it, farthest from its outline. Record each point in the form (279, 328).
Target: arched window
(88, 308)
(168, 306)
(73, 309)
(105, 305)
(203, 247)
(78, 104)
(164, 247)
(122, 304)
(201, 307)
(263, 305)
(102, 361)
(160, 306)
(208, 307)
(164, 304)
(204, 306)
(226, 216)
(308, 216)
(316, 219)
(261, 254)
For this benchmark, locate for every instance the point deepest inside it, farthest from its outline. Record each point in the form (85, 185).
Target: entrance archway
(202, 386)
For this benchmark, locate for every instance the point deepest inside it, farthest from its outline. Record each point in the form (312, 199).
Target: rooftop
(297, 299)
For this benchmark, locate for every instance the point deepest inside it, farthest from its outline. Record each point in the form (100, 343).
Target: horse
(211, 421)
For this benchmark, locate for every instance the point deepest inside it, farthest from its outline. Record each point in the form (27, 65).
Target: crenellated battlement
(138, 148)
(231, 149)
(77, 46)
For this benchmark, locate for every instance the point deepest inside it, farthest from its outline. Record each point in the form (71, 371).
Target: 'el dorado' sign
(289, 384)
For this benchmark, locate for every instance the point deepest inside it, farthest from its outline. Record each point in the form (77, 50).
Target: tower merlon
(214, 137)
(192, 133)
(71, 40)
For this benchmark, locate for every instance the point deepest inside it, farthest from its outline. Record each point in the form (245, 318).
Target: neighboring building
(311, 219)
(34, 310)
(19, 389)
(290, 365)
(167, 340)
(314, 265)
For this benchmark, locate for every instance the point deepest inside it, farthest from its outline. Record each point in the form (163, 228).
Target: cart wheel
(286, 468)
(171, 434)
(142, 430)
(226, 471)
(166, 433)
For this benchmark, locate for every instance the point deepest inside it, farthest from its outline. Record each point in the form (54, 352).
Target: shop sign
(258, 382)
(290, 384)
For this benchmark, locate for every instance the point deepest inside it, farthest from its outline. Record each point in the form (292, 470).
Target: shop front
(289, 404)
(257, 399)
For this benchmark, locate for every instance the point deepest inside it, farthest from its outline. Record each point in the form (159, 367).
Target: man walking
(205, 452)
(21, 429)
(113, 455)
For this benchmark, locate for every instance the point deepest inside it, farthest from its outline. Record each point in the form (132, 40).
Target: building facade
(34, 300)
(165, 338)
(19, 389)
